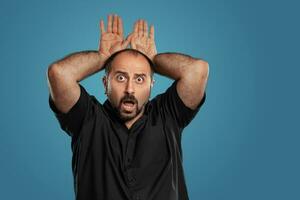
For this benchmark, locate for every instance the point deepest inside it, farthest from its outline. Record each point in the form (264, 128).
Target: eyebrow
(122, 72)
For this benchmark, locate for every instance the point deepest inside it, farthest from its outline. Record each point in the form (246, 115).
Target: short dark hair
(107, 64)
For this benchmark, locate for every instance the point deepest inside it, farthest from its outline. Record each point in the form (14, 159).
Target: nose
(129, 87)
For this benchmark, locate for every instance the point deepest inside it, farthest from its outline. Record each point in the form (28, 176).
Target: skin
(191, 73)
(112, 38)
(132, 66)
(130, 75)
(63, 76)
(142, 40)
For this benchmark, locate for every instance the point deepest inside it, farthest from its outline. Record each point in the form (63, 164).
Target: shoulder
(171, 106)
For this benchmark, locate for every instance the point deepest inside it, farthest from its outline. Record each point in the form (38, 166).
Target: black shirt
(112, 162)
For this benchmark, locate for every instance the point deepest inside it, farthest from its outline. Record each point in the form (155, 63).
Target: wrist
(102, 57)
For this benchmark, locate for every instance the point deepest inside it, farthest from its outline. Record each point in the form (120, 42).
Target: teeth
(129, 106)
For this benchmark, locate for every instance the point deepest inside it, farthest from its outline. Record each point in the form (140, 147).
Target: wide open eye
(121, 78)
(139, 79)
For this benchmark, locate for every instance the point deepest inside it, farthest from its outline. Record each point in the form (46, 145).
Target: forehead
(131, 63)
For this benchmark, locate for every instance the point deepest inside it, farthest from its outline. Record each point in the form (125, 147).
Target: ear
(104, 80)
(152, 83)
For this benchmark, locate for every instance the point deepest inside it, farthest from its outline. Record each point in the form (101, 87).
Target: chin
(127, 117)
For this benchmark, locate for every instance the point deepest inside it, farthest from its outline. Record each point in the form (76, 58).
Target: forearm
(191, 73)
(176, 65)
(80, 65)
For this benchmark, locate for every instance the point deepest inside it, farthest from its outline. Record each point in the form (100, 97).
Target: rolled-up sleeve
(71, 122)
(173, 106)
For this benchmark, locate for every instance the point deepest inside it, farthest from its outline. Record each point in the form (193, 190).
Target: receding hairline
(134, 52)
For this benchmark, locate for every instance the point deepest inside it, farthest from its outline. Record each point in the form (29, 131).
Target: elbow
(202, 68)
(53, 70)
(53, 73)
(56, 72)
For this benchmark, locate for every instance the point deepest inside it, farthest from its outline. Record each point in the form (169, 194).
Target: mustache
(129, 98)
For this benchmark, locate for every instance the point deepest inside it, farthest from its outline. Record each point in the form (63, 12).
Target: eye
(140, 79)
(121, 78)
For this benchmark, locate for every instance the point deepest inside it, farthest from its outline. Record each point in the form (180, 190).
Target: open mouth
(128, 105)
(129, 102)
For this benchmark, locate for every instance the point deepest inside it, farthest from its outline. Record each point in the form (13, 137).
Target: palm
(143, 41)
(112, 39)
(145, 45)
(109, 41)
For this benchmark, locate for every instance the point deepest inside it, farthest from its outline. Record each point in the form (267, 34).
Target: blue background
(244, 142)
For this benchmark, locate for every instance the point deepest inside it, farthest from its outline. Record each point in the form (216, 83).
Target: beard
(128, 108)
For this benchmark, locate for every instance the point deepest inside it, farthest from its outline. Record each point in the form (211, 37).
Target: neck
(131, 122)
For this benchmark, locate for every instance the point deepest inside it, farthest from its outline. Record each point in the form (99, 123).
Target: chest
(146, 143)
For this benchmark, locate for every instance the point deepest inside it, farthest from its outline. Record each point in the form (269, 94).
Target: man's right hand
(112, 39)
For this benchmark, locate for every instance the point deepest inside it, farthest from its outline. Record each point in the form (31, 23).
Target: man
(127, 148)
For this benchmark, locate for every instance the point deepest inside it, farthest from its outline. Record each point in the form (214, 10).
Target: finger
(136, 27)
(109, 24)
(115, 24)
(132, 42)
(145, 28)
(129, 37)
(140, 31)
(125, 43)
(120, 26)
(102, 26)
(152, 32)
(133, 45)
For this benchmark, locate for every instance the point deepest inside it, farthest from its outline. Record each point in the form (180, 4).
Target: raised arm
(63, 75)
(191, 73)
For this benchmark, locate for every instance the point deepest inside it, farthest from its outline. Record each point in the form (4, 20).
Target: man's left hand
(141, 40)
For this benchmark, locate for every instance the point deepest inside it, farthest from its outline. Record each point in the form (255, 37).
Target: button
(131, 180)
(128, 163)
(130, 177)
(137, 197)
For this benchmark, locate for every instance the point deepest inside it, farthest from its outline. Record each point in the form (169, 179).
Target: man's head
(128, 82)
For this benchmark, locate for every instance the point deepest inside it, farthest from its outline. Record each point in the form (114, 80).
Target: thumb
(129, 37)
(126, 42)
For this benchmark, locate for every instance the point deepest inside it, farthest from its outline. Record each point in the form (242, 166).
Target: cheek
(143, 95)
(114, 92)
